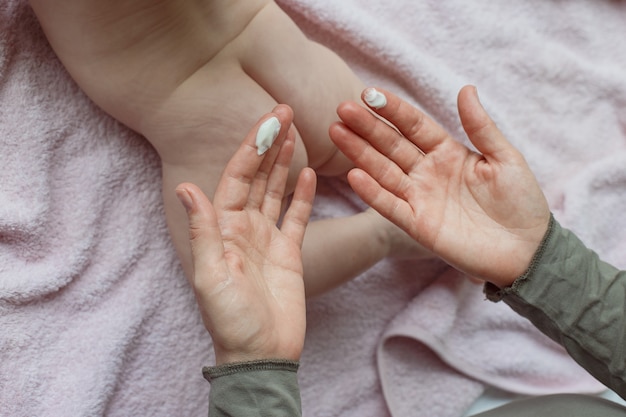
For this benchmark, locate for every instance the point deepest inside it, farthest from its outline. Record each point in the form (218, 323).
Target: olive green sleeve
(576, 299)
(258, 388)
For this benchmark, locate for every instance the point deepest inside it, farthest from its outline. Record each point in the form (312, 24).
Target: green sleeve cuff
(257, 388)
(212, 372)
(577, 300)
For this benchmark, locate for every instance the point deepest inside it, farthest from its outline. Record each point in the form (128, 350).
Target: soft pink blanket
(97, 319)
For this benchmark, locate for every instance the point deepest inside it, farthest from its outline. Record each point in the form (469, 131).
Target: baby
(194, 76)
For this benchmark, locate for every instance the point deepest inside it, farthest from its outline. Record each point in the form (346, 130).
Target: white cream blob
(375, 98)
(266, 135)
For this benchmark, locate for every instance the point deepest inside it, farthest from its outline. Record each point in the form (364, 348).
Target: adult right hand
(482, 212)
(248, 272)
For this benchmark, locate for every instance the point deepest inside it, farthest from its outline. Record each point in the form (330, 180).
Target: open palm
(247, 271)
(483, 212)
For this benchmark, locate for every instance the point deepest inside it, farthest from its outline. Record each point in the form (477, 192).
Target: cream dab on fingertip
(266, 135)
(374, 98)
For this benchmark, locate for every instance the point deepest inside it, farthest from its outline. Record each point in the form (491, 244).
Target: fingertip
(343, 104)
(483, 131)
(353, 118)
(474, 91)
(356, 178)
(308, 172)
(469, 89)
(184, 196)
(374, 98)
(468, 95)
(310, 176)
(478, 124)
(348, 108)
(366, 187)
(191, 197)
(306, 184)
(271, 127)
(336, 131)
(284, 113)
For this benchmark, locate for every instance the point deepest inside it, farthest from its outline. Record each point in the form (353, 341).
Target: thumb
(207, 247)
(480, 128)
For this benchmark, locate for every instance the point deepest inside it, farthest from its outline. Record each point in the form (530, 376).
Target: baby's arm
(338, 249)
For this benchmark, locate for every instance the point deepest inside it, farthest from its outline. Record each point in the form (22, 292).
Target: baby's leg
(200, 128)
(201, 124)
(309, 77)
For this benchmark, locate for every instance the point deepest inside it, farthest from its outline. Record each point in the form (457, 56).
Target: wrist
(252, 351)
(529, 267)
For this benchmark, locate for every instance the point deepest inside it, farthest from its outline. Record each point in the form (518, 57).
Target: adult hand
(247, 272)
(483, 212)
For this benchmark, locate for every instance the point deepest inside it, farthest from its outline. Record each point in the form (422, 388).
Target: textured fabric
(97, 319)
(563, 405)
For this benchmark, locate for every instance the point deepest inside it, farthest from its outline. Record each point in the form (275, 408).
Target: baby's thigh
(209, 114)
(205, 122)
(309, 77)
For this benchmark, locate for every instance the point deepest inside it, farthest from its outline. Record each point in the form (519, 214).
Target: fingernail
(476, 93)
(185, 198)
(267, 134)
(374, 98)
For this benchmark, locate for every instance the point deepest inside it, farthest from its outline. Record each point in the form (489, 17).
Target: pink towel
(96, 317)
